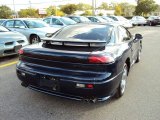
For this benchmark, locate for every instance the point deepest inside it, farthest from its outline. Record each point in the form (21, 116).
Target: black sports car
(82, 62)
(153, 20)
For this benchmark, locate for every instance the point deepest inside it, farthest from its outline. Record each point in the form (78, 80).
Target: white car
(11, 42)
(59, 22)
(122, 21)
(138, 20)
(33, 29)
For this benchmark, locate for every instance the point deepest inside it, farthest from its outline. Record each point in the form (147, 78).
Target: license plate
(16, 48)
(47, 83)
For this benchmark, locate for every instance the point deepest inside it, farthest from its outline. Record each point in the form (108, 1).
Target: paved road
(140, 102)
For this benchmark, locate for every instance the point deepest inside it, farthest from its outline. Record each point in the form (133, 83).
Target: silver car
(138, 20)
(120, 20)
(96, 19)
(34, 30)
(11, 42)
(59, 22)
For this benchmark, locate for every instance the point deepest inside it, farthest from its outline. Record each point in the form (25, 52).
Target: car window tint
(56, 22)
(76, 19)
(19, 24)
(91, 32)
(47, 20)
(9, 24)
(93, 19)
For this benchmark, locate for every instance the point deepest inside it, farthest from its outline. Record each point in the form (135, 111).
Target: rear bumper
(67, 96)
(101, 91)
(9, 50)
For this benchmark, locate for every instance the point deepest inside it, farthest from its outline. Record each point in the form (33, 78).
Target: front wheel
(122, 86)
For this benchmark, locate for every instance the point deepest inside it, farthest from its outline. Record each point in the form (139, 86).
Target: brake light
(89, 86)
(101, 59)
(20, 52)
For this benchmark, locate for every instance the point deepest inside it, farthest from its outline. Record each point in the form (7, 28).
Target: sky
(22, 4)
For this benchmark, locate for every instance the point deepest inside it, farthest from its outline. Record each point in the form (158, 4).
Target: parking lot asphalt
(140, 102)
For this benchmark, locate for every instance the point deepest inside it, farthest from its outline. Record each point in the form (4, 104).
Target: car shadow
(8, 58)
(66, 105)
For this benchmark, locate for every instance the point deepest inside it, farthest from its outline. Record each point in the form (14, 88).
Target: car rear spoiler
(75, 42)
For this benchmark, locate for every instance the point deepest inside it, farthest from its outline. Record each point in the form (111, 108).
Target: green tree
(5, 12)
(127, 9)
(51, 10)
(30, 12)
(82, 6)
(69, 8)
(100, 14)
(87, 13)
(118, 10)
(145, 7)
(104, 6)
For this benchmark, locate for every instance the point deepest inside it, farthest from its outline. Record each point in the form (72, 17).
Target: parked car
(2, 20)
(96, 19)
(122, 21)
(59, 22)
(138, 20)
(34, 30)
(11, 42)
(79, 19)
(153, 20)
(83, 62)
(108, 19)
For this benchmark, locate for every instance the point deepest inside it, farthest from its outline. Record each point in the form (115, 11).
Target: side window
(96, 20)
(56, 22)
(19, 24)
(76, 19)
(47, 20)
(124, 35)
(9, 24)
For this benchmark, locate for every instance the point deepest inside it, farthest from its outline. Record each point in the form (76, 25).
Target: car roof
(54, 17)
(85, 24)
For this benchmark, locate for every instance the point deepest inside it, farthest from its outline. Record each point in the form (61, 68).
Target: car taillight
(20, 52)
(101, 59)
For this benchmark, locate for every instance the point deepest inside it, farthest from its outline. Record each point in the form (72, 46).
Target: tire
(34, 39)
(138, 56)
(122, 86)
(150, 24)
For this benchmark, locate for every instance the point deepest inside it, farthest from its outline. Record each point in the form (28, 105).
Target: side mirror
(138, 36)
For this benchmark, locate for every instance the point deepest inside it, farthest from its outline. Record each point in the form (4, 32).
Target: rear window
(85, 32)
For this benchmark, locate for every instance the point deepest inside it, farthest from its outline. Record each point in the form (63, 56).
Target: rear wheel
(122, 86)
(138, 56)
(150, 24)
(34, 39)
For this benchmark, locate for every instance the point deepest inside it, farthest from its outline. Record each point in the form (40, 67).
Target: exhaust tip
(90, 100)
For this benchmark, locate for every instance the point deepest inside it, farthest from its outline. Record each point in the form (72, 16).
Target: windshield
(35, 24)
(120, 18)
(141, 18)
(3, 29)
(1, 21)
(89, 32)
(100, 19)
(67, 21)
(84, 19)
(108, 19)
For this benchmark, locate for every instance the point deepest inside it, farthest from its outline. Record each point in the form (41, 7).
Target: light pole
(93, 12)
(95, 7)
(14, 8)
(29, 4)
